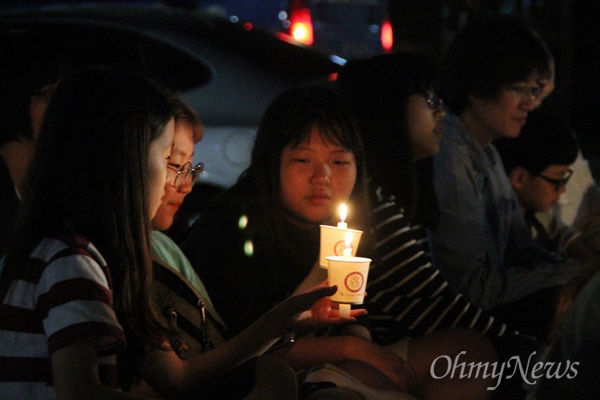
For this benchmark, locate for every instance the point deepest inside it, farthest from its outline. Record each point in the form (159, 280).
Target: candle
(347, 252)
(342, 224)
(344, 310)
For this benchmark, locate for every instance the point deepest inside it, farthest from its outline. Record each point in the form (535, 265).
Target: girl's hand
(312, 310)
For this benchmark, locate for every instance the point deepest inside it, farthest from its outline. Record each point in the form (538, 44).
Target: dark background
(570, 27)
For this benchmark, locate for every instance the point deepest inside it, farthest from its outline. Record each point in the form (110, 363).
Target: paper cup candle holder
(347, 272)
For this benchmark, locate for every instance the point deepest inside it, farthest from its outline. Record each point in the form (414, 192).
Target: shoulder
(168, 252)
(69, 255)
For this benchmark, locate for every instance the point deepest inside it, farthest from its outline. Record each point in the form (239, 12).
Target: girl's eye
(341, 162)
(300, 160)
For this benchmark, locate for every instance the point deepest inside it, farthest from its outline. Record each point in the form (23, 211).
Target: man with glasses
(491, 79)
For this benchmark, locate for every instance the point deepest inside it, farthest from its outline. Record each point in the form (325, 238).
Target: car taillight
(301, 27)
(387, 35)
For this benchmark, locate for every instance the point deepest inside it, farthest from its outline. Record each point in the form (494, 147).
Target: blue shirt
(482, 244)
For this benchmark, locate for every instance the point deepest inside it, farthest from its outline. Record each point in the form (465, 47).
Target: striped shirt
(62, 295)
(407, 295)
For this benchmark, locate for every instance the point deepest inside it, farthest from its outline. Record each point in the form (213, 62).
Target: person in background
(538, 164)
(76, 309)
(400, 118)
(181, 175)
(490, 79)
(579, 205)
(26, 85)
(306, 161)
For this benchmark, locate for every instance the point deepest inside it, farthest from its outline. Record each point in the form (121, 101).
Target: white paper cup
(350, 275)
(333, 242)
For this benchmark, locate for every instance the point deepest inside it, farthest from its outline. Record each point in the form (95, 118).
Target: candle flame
(348, 239)
(343, 212)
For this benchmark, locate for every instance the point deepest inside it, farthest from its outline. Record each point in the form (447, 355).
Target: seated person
(579, 205)
(490, 80)
(538, 164)
(401, 122)
(26, 85)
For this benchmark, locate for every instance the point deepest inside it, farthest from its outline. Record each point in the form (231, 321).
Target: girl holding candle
(76, 283)
(307, 159)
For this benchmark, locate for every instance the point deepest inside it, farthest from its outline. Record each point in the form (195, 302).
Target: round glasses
(178, 174)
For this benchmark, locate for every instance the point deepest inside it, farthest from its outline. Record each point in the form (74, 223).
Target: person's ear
(518, 177)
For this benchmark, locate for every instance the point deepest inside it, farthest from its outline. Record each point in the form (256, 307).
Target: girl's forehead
(319, 135)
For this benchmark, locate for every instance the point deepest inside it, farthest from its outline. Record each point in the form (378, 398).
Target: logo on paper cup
(338, 248)
(354, 281)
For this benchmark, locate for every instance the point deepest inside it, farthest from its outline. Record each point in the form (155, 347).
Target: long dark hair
(377, 90)
(90, 172)
(289, 120)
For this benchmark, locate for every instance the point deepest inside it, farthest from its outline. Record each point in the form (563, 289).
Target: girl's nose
(321, 174)
(440, 113)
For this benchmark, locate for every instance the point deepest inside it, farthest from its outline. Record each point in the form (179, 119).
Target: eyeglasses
(527, 92)
(558, 184)
(178, 174)
(433, 101)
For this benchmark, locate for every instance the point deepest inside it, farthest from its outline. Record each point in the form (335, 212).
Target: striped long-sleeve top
(407, 295)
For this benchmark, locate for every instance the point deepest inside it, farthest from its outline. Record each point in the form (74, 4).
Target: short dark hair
(486, 55)
(21, 74)
(546, 139)
(184, 113)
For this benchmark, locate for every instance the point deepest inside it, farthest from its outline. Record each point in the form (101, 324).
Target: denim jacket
(482, 244)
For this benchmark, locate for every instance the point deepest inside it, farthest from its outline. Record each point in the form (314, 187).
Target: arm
(75, 371)
(168, 374)
(415, 296)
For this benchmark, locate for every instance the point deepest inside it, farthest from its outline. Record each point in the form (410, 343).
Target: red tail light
(387, 35)
(301, 27)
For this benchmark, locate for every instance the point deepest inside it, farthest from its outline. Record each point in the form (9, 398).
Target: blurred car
(348, 28)
(229, 72)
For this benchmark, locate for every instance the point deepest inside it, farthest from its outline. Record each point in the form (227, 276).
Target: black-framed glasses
(178, 174)
(434, 102)
(527, 92)
(558, 184)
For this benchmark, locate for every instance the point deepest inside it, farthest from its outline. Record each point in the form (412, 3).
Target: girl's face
(158, 156)
(424, 117)
(316, 176)
(182, 153)
(37, 107)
